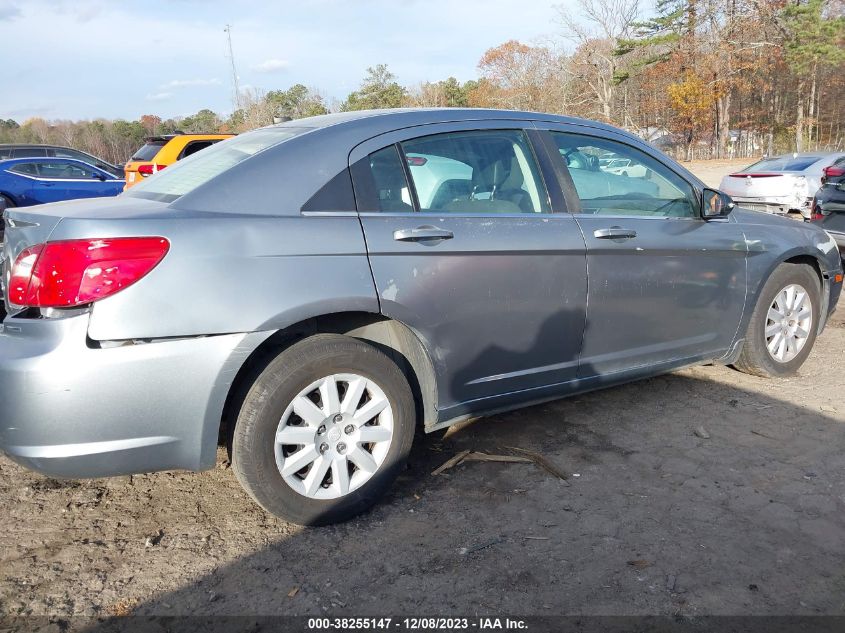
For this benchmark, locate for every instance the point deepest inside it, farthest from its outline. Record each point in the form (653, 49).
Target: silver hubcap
(334, 436)
(789, 323)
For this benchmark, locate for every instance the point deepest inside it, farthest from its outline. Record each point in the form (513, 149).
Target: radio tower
(236, 101)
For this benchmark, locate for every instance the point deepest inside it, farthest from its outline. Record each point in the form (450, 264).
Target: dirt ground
(712, 171)
(747, 516)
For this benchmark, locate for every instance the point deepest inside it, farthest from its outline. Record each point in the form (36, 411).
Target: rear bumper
(70, 409)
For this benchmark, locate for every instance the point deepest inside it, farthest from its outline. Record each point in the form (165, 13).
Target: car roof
(408, 117)
(45, 159)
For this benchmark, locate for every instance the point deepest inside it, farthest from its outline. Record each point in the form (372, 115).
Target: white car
(623, 167)
(781, 184)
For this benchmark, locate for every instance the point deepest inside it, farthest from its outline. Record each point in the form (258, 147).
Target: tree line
(698, 78)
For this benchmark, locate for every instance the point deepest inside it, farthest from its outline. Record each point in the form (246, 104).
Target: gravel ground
(704, 491)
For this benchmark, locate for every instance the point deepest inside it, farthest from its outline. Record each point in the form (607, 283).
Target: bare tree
(596, 29)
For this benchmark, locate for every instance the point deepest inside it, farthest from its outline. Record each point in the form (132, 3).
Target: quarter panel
(234, 274)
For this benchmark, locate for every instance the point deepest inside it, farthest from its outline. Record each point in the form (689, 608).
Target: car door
(665, 285)
(468, 249)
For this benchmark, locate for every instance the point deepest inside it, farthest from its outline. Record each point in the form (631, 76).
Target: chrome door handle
(422, 233)
(614, 233)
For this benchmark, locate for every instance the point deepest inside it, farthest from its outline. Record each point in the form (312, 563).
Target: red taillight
(833, 172)
(417, 161)
(149, 169)
(76, 272)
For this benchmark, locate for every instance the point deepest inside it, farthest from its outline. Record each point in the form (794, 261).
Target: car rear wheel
(784, 324)
(5, 202)
(324, 430)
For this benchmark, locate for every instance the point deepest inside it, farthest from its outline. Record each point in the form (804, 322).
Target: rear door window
(389, 179)
(489, 171)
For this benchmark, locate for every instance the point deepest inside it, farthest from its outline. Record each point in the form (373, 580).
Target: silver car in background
(780, 184)
(311, 293)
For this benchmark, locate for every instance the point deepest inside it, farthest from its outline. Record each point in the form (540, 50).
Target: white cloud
(183, 83)
(9, 11)
(159, 96)
(271, 65)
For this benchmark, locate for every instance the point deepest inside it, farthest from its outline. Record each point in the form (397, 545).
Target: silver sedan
(780, 184)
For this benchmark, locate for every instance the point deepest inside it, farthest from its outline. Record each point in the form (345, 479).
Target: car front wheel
(324, 431)
(784, 323)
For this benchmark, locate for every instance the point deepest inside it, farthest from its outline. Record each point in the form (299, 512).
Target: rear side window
(25, 169)
(612, 178)
(491, 171)
(148, 151)
(194, 146)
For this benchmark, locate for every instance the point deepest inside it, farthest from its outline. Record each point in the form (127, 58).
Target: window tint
(27, 169)
(195, 146)
(391, 186)
(148, 151)
(29, 152)
(476, 172)
(65, 171)
(615, 179)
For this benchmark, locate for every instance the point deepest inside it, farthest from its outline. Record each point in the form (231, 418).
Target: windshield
(197, 169)
(782, 163)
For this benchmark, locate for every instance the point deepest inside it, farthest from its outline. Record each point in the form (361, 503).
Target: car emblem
(748, 181)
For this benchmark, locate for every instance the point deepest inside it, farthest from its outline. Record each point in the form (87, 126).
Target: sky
(83, 59)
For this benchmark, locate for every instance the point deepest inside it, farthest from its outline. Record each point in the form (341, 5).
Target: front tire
(324, 430)
(784, 323)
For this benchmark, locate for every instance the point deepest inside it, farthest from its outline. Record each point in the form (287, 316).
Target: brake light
(75, 272)
(833, 172)
(148, 169)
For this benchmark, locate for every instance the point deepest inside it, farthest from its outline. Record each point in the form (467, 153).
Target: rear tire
(307, 446)
(7, 201)
(784, 323)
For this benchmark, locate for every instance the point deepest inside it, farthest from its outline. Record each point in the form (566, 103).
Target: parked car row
(780, 184)
(38, 174)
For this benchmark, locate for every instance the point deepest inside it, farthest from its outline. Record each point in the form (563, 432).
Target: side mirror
(99, 176)
(715, 204)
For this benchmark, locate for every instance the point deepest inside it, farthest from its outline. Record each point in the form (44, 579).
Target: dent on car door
(664, 284)
(466, 250)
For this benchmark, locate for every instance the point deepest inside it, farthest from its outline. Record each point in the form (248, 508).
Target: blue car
(28, 181)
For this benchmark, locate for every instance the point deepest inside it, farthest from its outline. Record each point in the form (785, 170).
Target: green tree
(203, 122)
(814, 38)
(378, 90)
(296, 102)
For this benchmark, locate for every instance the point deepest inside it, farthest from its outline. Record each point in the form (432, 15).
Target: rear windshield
(188, 174)
(782, 163)
(148, 151)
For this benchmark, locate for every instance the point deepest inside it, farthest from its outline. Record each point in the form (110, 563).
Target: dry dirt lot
(654, 518)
